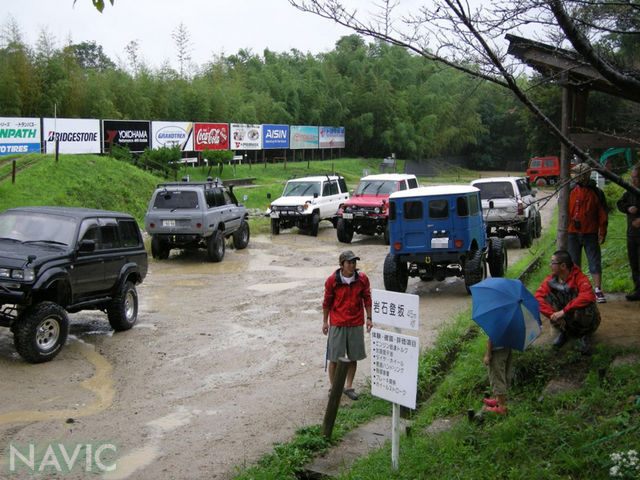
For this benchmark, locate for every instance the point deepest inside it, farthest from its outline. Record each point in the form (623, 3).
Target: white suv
(510, 208)
(306, 201)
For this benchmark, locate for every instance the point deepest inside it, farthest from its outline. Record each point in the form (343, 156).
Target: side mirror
(269, 196)
(534, 192)
(315, 195)
(87, 246)
(351, 192)
(491, 203)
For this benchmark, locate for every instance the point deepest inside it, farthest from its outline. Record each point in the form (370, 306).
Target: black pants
(633, 251)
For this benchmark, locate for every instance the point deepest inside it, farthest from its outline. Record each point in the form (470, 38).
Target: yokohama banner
(168, 134)
(246, 137)
(19, 135)
(331, 137)
(133, 134)
(211, 136)
(304, 137)
(75, 135)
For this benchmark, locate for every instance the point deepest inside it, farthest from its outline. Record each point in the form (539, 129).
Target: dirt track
(225, 360)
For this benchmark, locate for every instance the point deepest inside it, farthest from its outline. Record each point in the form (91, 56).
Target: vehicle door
(233, 214)
(112, 252)
(330, 199)
(467, 221)
(87, 273)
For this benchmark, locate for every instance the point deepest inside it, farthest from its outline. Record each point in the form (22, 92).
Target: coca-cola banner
(246, 137)
(211, 136)
(133, 134)
(169, 134)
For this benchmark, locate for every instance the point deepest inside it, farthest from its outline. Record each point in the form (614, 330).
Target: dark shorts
(588, 241)
(346, 342)
(580, 322)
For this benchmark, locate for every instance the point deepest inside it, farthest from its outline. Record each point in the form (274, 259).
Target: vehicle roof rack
(211, 182)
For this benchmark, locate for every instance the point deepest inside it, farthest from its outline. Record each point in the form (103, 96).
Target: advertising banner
(275, 136)
(210, 136)
(126, 133)
(246, 137)
(331, 137)
(168, 134)
(19, 135)
(303, 137)
(75, 135)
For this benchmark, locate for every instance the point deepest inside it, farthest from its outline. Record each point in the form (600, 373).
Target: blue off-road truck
(438, 232)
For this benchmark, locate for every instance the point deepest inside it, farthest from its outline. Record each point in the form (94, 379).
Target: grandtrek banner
(331, 137)
(303, 137)
(168, 134)
(246, 137)
(75, 135)
(275, 136)
(210, 136)
(126, 133)
(19, 135)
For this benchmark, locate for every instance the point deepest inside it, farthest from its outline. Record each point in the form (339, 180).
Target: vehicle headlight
(300, 208)
(376, 210)
(26, 274)
(5, 273)
(348, 209)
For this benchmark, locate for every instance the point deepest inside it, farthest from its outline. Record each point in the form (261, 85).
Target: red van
(544, 171)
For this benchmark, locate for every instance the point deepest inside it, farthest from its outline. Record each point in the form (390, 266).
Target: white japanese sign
(399, 310)
(394, 367)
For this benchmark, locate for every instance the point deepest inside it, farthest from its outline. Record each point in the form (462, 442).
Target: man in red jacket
(587, 225)
(347, 295)
(567, 299)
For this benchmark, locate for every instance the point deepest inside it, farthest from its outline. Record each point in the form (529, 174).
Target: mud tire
(123, 309)
(40, 332)
(344, 231)
(395, 273)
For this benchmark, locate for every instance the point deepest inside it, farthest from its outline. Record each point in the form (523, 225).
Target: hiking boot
(560, 340)
(633, 296)
(600, 298)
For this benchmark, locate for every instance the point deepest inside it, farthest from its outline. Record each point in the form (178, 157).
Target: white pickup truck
(509, 207)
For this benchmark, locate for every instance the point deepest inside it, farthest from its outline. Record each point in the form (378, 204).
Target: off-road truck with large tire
(438, 232)
(59, 260)
(194, 215)
(306, 201)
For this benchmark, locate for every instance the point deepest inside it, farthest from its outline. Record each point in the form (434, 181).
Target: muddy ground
(226, 359)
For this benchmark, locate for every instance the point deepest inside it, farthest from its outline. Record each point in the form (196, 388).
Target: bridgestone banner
(303, 137)
(168, 134)
(246, 137)
(211, 136)
(75, 135)
(19, 135)
(275, 136)
(331, 137)
(134, 134)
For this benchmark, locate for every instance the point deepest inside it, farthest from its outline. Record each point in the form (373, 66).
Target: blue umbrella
(506, 310)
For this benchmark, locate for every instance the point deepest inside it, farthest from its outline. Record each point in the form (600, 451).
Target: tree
(453, 33)
(182, 41)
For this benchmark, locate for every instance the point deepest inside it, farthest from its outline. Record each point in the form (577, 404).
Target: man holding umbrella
(567, 299)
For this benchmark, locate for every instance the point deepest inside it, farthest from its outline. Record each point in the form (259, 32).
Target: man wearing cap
(347, 296)
(587, 225)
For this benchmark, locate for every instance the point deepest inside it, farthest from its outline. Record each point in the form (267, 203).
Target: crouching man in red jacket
(567, 299)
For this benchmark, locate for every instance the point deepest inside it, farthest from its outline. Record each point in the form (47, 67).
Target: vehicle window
(227, 198)
(402, 186)
(474, 208)
(495, 190)
(210, 198)
(219, 197)
(392, 211)
(439, 208)
(462, 206)
(413, 183)
(413, 210)
(376, 187)
(110, 238)
(523, 188)
(130, 233)
(535, 164)
(179, 199)
(343, 185)
(548, 163)
(35, 227)
(90, 231)
(296, 189)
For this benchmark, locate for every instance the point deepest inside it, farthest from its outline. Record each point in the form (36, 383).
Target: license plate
(275, 215)
(168, 223)
(347, 216)
(440, 242)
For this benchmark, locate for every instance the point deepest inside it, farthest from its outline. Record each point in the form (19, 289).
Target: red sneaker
(500, 410)
(490, 402)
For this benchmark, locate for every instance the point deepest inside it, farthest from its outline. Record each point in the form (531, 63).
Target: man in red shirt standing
(587, 225)
(567, 299)
(347, 296)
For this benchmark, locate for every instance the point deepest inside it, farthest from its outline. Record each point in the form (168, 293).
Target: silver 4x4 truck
(55, 260)
(194, 215)
(510, 208)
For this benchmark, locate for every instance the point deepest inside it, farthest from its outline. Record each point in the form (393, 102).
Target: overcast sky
(215, 26)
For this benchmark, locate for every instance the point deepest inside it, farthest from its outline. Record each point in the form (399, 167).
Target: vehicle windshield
(37, 227)
(377, 187)
(495, 190)
(179, 199)
(298, 189)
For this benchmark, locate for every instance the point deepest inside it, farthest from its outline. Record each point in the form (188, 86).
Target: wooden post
(563, 194)
(13, 171)
(334, 398)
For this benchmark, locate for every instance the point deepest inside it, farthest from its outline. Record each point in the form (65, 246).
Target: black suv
(55, 260)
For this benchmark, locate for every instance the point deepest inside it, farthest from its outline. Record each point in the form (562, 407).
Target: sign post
(394, 356)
